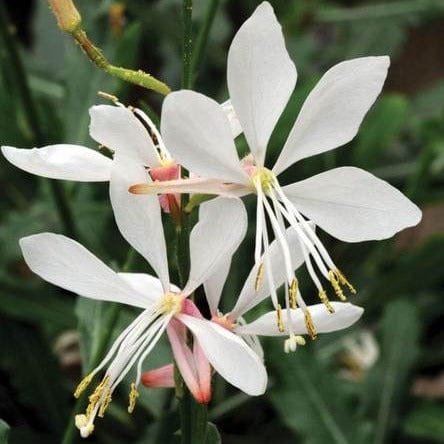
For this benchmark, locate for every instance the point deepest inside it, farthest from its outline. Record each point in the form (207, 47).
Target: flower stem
(33, 119)
(111, 316)
(187, 49)
(202, 38)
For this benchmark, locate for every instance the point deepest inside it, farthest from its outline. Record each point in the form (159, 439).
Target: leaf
(426, 422)
(4, 432)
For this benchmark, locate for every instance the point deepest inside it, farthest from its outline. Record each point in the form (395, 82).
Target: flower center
(171, 303)
(262, 177)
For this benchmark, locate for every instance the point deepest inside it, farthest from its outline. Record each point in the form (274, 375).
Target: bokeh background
(381, 381)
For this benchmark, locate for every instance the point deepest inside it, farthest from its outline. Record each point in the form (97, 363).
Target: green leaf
(4, 432)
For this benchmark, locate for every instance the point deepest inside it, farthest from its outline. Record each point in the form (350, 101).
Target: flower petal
(138, 217)
(197, 132)
(215, 284)
(345, 314)
(66, 162)
(229, 111)
(145, 284)
(229, 355)
(332, 113)
(353, 205)
(261, 77)
(67, 264)
(249, 297)
(222, 226)
(119, 129)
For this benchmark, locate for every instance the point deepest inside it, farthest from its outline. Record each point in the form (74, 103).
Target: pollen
(324, 299)
(97, 395)
(171, 303)
(264, 178)
(309, 325)
(335, 284)
(83, 384)
(292, 292)
(134, 394)
(259, 278)
(280, 322)
(344, 281)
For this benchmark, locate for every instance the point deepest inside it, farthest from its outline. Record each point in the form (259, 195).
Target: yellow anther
(105, 403)
(259, 277)
(134, 394)
(171, 303)
(344, 281)
(324, 299)
(94, 398)
(336, 287)
(264, 178)
(280, 323)
(83, 384)
(309, 324)
(107, 96)
(292, 291)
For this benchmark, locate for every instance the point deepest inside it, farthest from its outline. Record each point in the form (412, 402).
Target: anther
(134, 394)
(344, 281)
(324, 299)
(309, 325)
(335, 284)
(82, 385)
(280, 323)
(94, 398)
(292, 292)
(105, 403)
(108, 96)
(259, 277)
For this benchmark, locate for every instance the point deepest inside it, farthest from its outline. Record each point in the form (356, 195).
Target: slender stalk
(33, 119)
(202, 37)
(71, 433)
(187, 49)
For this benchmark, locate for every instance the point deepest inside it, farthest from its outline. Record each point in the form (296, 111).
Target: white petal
(145, 284)
(229, 111)
(67, 264)
(117, 128)
(345, 314)
(222, 226)
(66, 162)
(249, 297)
(138, 216)
(229, 355)
(261, 77)
(215, 284)
(353, 205)
(332, 113)
(198, 135)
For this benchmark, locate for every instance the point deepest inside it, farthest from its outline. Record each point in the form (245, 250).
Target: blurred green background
(381, 381)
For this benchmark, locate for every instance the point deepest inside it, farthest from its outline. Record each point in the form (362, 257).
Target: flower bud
(68, 18)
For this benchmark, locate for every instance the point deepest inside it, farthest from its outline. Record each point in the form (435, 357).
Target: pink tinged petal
(334, 110)
(159, 377)
(222, 226)
(344, 316)
(67, 264)
(171, 171)
(249, 297)
(138, 217)
(198, 135)
(229, 111)
(229, 355)
(66, 162)
(204, 372)
(195, 185)
(261, 77)
(185, 361)
(117, 128)
(189, 308)
(215, 284)
(353, 205)
(145, 284)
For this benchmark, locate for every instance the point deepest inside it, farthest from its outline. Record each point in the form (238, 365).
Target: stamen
(344, 281)
(335, 284)
(292, 342)
(309, 324)
(292, 292)
(83, 384)
(105, 403)
(259, 278)
(280, 323)
(134, 394)
(324, 299)
(83, 424)
(97, 394)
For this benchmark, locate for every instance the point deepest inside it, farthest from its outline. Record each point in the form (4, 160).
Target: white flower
(348, 203)
(66, 263)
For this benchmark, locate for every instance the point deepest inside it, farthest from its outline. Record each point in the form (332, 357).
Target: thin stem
(202, 37)
(71, 432)
(187, 49)
(33, 119)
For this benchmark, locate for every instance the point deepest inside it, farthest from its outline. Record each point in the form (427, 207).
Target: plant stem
(33, 119)
(187, 49)
(71, 433)
(202, 37)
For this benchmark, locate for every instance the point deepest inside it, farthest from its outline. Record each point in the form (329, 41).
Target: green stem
(71, 433)
(33, 118)
(187, 50)
(202, 37)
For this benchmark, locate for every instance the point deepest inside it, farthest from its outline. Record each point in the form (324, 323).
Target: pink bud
(159, 377)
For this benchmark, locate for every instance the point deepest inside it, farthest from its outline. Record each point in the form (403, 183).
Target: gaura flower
(64, 262)
(348, 203)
